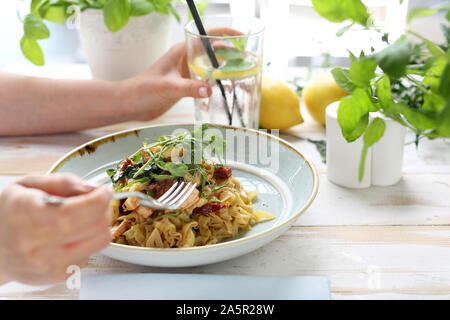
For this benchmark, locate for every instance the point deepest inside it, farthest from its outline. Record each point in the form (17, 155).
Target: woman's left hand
(154, 91)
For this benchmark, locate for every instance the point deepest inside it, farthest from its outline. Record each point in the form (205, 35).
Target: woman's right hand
(38, 241)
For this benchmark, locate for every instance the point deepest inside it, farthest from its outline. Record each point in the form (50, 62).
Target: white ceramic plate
(286, 182)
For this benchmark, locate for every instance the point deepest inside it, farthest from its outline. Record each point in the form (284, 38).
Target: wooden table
(376, 243)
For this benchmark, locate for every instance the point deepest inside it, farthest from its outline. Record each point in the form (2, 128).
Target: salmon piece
(193, 198)
(119, 229)
(144, 211)
(131, 204)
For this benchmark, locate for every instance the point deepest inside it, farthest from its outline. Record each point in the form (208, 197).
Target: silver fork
(172, 199)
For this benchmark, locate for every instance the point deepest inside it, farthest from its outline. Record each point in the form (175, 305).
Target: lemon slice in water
(202, 68)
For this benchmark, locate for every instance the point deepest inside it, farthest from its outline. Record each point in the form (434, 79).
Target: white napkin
(163, 286)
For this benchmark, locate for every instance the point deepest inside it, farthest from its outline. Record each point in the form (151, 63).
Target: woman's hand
(154, 91)
(39, 241)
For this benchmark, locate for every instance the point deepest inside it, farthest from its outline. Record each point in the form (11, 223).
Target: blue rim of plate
(111, 138)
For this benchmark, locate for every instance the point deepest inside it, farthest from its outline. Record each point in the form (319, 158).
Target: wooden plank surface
(370, 262)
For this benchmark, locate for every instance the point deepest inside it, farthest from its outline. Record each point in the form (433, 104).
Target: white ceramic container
(120, 55)
(343, 157)
(384, 159)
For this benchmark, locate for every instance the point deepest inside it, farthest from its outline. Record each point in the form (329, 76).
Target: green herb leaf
(321, 146)
(32, 51)
(201, 7)
(141, 7)
(444, 86)
(56, 14)
(116, 14)
(342, 78)
(393, 59)
(219, 187)
(374, 132)
(362, 71)
(353, 114)
(443, 122)
(383, 91)
(34, 28)
(339, 11)
(421, 119)
(177, 169)
(229, 53)
(420, 13)
(343, 30)
(110, 172)
(240, 43)
(236, 65)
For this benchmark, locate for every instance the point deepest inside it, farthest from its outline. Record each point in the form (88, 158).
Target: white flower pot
(120, 55)
(383, 166)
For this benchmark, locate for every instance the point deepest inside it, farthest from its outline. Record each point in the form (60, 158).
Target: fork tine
(180, 194)
(173, 194)
(185, 196)
(168, 192)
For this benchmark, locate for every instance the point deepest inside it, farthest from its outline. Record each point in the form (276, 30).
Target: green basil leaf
(362, 71)
(444, 86)
(35, 7)
(34, 28)
(420, 13)
(32, 51)
(443, 123)
(174, 13)
(373, 133)
(343, 30)
(339, 11)
(353, 114)
(116, 14)
(162, 6)
(56, 14)
(240, 43)
(229, 53)
(421, 119)
(201, 7)
(110, 172)
(141, 7)
(236, 65)
(383, 91)
(394, 58)
(433, 102)
(342, 78)
(434, 48)
(177, 169)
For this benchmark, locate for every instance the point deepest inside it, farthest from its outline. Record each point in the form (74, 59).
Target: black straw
(209, 52)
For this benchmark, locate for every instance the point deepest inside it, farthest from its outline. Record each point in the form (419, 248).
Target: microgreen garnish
(154, 166)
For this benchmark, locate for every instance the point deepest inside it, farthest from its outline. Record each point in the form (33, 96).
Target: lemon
(280, 105)
(202, 68)
(319, 92)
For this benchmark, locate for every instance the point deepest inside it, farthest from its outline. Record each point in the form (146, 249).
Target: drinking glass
(236, 80)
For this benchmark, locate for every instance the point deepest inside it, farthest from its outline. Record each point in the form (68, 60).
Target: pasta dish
(219, 207)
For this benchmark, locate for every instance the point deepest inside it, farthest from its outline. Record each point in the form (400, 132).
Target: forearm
(30, 106)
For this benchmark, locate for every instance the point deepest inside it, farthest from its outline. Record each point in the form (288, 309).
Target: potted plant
(408, 82)
(120, 38)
